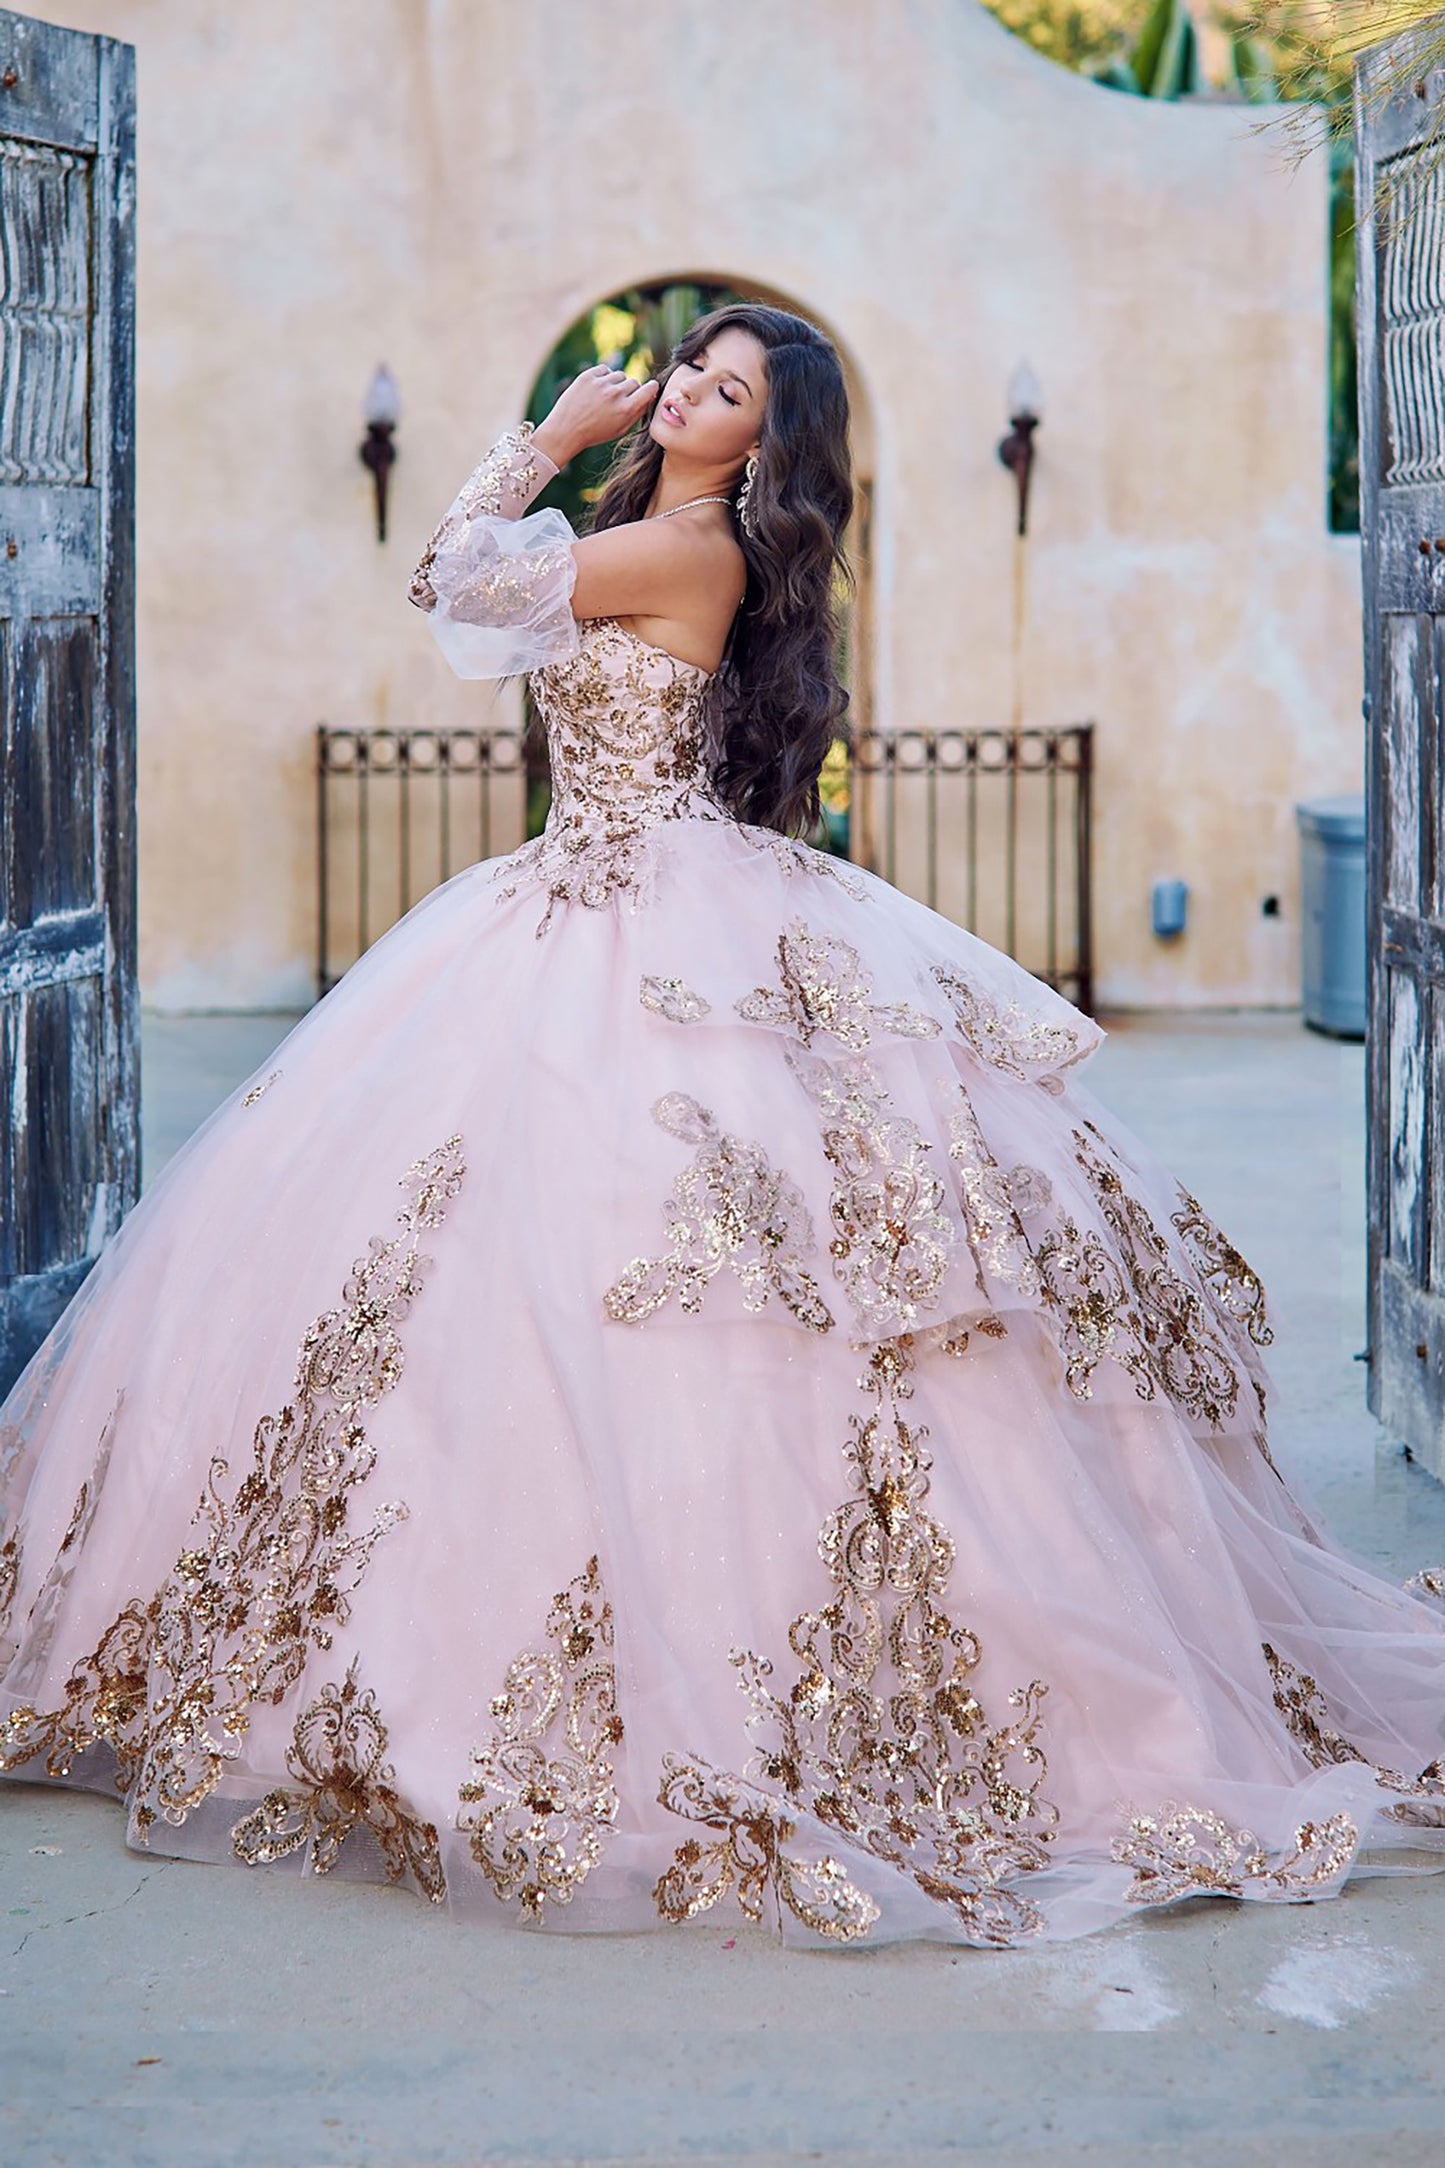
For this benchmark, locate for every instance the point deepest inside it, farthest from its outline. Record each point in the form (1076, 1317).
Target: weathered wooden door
(1401, 198)
(69, 1067)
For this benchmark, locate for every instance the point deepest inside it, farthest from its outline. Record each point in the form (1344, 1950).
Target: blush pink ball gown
(699, 1410)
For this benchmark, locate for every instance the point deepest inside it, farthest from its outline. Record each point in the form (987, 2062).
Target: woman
(782, 1444)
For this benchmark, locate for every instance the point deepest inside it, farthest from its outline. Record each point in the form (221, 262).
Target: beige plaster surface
(449, 185)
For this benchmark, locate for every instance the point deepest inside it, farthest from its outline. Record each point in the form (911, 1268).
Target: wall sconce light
(1025, 412)
(381, 413)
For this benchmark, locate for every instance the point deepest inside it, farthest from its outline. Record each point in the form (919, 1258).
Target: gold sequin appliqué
(674, 1000)
(341, 1782)
(824, 991)
(1128, 1299)
(41, 1619)
(1300, 1702)
(271, 1567)
(540, 1801)
(793, 857)
(626, 731)
(259, 1091)
(1005, 1036)
(1123, 1295)
(995, 1200)
(502, 485)
(891, 1242)
(12, 1446)
(1189, 1852)
(881, 1736)
(730, 1207)
(1084, 1298)
(1182, 1351)
(1236, 1290)
(9, 1583)
(512, 587)
(751, 1855)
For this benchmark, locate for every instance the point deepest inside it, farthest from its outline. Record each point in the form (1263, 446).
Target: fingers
(609, 379)
(609, 401)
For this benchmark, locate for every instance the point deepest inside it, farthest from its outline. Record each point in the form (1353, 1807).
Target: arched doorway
(636, 329)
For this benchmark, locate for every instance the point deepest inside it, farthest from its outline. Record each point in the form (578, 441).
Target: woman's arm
(504, 589)
(496, 581)
(510, 475)
(594, 408)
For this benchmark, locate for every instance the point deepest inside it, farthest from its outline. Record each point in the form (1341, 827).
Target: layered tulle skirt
(701, 1410)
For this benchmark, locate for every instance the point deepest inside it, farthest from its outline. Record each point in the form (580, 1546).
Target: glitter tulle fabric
(667, 1396)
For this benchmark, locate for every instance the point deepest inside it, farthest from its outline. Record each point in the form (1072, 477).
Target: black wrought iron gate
(1401, 195)
(69, 1068)
(991, 827)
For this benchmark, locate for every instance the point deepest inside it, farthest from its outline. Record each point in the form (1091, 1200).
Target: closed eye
(731, 402)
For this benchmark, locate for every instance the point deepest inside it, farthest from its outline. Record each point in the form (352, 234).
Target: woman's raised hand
(595, 407)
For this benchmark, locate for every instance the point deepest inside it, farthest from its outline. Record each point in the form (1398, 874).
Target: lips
(673, 413)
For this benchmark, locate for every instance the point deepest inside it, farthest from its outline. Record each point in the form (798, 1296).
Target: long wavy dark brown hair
(777, 700)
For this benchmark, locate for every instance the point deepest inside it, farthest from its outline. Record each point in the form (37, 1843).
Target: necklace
(689, 505)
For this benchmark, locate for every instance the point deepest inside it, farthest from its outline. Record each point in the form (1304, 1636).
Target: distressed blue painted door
(69, 1069)
(1401, 229)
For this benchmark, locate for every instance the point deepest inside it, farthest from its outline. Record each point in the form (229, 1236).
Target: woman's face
(711, 408)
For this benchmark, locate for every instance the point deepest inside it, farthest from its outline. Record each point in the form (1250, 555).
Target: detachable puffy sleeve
(495, 581)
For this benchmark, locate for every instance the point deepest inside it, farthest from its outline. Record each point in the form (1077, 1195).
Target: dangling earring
(748, 517)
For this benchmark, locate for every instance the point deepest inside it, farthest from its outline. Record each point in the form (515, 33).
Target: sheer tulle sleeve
(496, 582)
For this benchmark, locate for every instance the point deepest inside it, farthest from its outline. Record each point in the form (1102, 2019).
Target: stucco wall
(449, 184)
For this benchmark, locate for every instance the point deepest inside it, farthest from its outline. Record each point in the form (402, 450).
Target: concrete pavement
(154, 2013)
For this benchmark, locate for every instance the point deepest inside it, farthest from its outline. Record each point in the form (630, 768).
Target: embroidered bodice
(626, 730)
(627, 738)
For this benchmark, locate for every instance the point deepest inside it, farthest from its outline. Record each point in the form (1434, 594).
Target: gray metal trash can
(1332, 914)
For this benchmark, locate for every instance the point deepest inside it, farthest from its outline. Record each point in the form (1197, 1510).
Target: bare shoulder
(681, 542)
(705, 551)
(670, 570)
